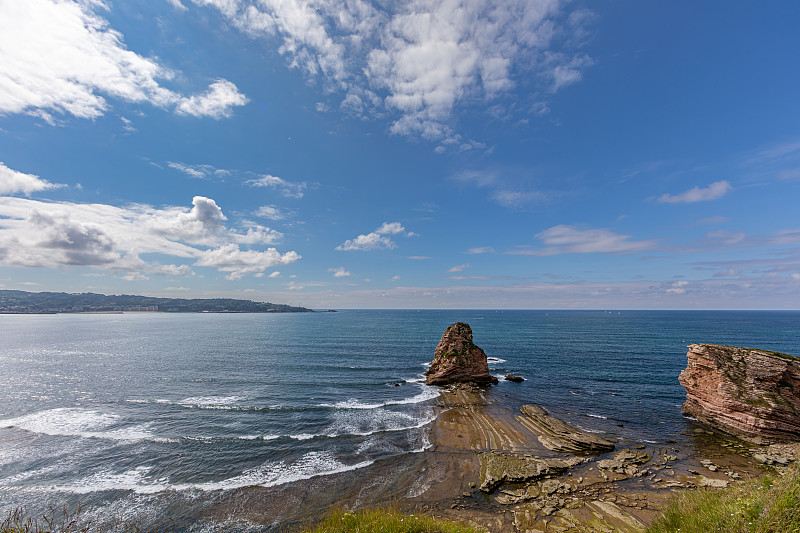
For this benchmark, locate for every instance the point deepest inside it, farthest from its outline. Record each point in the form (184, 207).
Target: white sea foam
(63, 421)
(375, 421)
(210, 402)
(87, 423)
(133, 480)
(495, 360)
(428, 393)
(597, 416)
(270, 474)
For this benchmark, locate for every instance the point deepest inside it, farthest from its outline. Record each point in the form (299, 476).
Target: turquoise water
(142, 414)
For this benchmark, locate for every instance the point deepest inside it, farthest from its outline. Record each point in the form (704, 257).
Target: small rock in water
(515, 379)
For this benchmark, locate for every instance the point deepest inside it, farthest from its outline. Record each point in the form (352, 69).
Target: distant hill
(62, 302)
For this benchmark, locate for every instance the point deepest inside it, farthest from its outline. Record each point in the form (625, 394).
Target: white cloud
(60, 56)
(271, 212)
(199, 171)
(287, 188)
(459, 268)
(716, 190)
(218, 102)
(502, 189)
(390, 228)
(229, 258)
(275, 274)
(339, 272)
(370, 241)
(177, 5)
(62, 234)
(375, 240)
(481, 250)
(12, 181)
(134, 276)
(564, 239)
(422, 60)
(394, 278)
(678, 287)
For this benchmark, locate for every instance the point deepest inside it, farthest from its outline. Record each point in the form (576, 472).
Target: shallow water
(145, 415)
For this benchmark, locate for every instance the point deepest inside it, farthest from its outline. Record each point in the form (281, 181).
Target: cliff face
(458, 360)
(754, 394)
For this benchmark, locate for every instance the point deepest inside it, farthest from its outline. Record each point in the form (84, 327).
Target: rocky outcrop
(515, 379)
(753, 394)
(498, 468)
(458, 360)
(557, 435)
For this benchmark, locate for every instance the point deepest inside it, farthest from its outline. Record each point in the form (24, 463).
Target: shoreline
(608, 490)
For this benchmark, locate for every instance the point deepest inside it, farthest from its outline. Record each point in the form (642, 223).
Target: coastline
(444, 481)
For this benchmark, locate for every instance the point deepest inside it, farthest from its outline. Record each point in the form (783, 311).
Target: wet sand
(473, 431)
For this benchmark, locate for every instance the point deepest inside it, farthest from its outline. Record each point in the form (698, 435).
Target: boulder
(458, 360)
(752, 394)
(515, 379)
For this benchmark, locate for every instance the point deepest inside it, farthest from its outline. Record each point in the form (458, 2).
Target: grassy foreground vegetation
(767, 505)
(384, 520)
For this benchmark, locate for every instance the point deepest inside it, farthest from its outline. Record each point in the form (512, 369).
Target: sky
(506, 154)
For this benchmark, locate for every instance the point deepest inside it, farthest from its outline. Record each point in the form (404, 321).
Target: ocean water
(145, 415)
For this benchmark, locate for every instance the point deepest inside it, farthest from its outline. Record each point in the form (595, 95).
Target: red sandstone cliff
(458, 360)
(754, 394)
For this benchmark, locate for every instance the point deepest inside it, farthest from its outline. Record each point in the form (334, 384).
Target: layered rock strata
(557, 435)
(753, 394)
(458, 360)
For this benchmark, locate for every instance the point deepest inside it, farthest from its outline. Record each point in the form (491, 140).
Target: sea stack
(753, 394)
(458, 360)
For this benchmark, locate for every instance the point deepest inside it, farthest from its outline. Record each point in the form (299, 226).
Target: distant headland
(23, 302)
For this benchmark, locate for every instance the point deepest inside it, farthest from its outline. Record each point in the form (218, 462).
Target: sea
(138, 416)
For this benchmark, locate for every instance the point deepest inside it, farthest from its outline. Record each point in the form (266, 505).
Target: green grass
(767, 505)
(384, 520)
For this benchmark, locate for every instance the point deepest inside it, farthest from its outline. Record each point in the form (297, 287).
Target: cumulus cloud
(716, 190)
(459, 268)
(287, 188)
(421, 60)
(340, 272)
(390, 228)
(237, 262)
(564, 239)
(375, 240)
(63, 234)
(60, 56)
(218, 102)
(12, 181)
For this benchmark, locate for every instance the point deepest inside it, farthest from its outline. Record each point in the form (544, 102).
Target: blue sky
(409, 154)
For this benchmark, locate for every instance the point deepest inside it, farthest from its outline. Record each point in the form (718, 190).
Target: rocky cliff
(458, 360)
(753, 394)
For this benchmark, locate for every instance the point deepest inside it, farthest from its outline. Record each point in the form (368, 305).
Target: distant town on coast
(23, 302)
